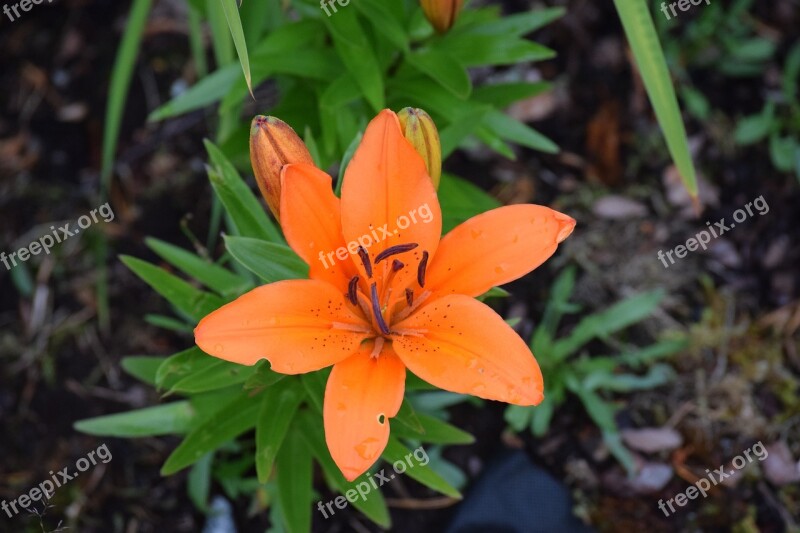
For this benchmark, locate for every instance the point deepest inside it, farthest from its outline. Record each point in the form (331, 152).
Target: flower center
(373, 297)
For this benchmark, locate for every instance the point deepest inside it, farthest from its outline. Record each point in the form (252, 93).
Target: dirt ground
(739, 302)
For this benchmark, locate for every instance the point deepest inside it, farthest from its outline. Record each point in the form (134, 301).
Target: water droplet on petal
(476, 233)
(473, 362)
(478, 389)
(341, 406)
(218, 348)
(368, 448)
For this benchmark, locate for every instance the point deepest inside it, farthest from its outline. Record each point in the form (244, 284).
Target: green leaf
(314, 383)
(642, 356)
(217, 375)
(373, 507)
(205, 92)
(193, 371)
(356, 53)
(167, 419)
(384, 21)
(120, 83)
(433, 430)
(142, 367)
(248, 214)
(492, 50)
(237, 33)
(614, 442)
(395, 452)
(198, 483)
(643, 38)
(782, 152)
(165, 322)
(655, 377)
(502, 95)
(269, 261)
(277, 411)
(518, 417)
(295, 491)
(754, 50)
(754, 128)
(193, 302)
(407, 416)
(443, 69)
(515, 131)
(516, 25)
(262, 378)
(461, 200)
(209, 274)
(601, 325)
(226, 424)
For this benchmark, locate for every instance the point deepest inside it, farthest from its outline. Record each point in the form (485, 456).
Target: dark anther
(376, 310)
(397, 265)
(351, 290)
(362, 253)
(421, 271)
(409, 297)
(394, 250)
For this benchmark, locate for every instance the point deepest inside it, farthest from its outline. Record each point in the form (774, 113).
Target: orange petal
(311, 221)
(388, 197)
(466, 347)
(362, 394)
(298, 325)
(496, 247)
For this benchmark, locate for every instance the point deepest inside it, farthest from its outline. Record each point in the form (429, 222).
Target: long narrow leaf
(642, 35)
(120, 82)
(237, 33)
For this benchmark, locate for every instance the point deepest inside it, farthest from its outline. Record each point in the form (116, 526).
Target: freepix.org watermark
(702, 239)
(364, 488)
(703, 485)
(683, 5)
(59, 235)
(378, 234)
(47, 488)
(325, 4)
(24, 5)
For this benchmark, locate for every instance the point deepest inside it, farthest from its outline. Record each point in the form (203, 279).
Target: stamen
(376, 349)
(421, 270)
(376, 310)
(362, 253)
(351, 290)
(409, 297)
(405, 332)
(394, 250)
(397, 265)
(402, 315)
(350, 327)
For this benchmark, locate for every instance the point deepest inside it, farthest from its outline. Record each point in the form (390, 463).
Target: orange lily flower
(404, 300)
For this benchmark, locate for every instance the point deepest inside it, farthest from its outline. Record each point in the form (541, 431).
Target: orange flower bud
(273, 144)
(419, 129)
(441, 13)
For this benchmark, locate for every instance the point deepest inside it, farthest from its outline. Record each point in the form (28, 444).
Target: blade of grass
(237, 34)
(120, 82)
(196, 43)
(642, 35)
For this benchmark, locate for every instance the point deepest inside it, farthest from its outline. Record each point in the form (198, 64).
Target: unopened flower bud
(273, 144)
(441, 14)
(419, 129)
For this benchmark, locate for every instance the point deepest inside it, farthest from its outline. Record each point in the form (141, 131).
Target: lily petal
(388, 197)
(311, 221)
(298, 325)
(363, 392)
(496, 247)
(466, 347)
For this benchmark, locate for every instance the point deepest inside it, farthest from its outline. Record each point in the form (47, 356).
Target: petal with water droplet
(371, 389)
